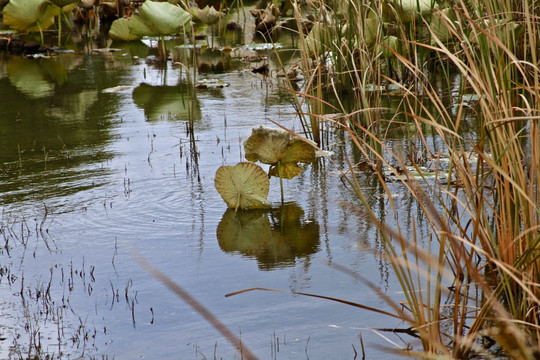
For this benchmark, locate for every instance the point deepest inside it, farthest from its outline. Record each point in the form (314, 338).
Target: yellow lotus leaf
(243, 186)
(298, 151)
(288, 170)
(269, 146)
(266, 145)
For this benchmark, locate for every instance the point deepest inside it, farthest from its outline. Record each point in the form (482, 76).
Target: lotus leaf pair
(245, 186)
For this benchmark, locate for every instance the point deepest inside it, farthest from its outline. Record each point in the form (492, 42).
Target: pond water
(89, 174)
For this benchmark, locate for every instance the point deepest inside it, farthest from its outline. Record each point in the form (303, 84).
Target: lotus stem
(280, 181)
(59, 26)
(163, 49)
(40, 32)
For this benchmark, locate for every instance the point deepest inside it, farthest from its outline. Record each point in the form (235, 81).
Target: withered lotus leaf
(243, 186)
(273, 146)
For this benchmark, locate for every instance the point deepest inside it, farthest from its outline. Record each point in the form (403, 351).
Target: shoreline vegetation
(475, 291)
(484, 210)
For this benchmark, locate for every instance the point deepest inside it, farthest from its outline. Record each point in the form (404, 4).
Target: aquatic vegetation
(485, 220)
(277, 148)
(243, 186)
(207, 15)
(154, 19)
(29, 15)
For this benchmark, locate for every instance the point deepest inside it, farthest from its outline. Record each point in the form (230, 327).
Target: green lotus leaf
(29, 15)
(120, 30)
(163, 18)
(507, 31)
(130, 29)
(62, 3)
(154, 19)
(207, 15)
(244, 186)
(288, 171)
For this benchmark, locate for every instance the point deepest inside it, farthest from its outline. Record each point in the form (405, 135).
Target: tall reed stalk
(484, 210)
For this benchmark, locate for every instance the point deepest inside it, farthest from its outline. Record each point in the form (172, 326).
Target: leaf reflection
(275, 238)
(38, 78)
(166, 102)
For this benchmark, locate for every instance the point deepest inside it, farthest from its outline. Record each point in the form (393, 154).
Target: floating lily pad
(244, 186)
(417, 173)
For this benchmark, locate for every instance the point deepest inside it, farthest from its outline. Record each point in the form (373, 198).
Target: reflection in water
(54, 126)
(37, 78)
(275, 238)
(166, 102)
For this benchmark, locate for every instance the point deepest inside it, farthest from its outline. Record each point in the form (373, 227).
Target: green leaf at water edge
(154, 19)
(120, 30)
(163, 18)
(29, 15)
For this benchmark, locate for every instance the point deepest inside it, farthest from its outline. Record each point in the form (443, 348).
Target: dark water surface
(87, 174)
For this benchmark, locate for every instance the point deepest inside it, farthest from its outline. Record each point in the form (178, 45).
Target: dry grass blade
(320, 297)
(196, 305)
